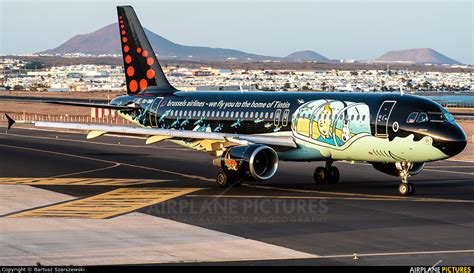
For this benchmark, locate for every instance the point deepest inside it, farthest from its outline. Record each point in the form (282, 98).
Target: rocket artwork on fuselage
(247, 133)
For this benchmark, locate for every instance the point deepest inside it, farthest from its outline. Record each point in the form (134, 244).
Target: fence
(66, 118)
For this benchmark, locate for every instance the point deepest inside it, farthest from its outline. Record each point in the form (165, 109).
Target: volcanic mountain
(416, 55)
(307, 55)
(106, 41)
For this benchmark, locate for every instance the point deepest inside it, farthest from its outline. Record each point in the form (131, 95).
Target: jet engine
(257, 162)
(391, 168)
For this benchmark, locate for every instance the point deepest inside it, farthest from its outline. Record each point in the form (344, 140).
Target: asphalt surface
(363, 213)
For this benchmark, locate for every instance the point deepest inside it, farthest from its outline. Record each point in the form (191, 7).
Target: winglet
(10, 121)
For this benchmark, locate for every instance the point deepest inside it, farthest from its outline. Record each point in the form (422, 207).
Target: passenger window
(422, 117)
(246, 114)
(251, 114)
(231, 114)
(266, 115)
(412, 117)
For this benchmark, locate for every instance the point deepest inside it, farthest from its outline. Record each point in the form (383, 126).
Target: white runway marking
(397, 253)
(372, 196)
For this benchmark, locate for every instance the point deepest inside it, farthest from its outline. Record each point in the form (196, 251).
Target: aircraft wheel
(411, 188)
(321, 175)
(222, 178)
(404, 189)
(334, 175)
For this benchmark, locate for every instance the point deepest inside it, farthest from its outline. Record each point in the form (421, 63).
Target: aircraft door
(153, 111)
(382, 119)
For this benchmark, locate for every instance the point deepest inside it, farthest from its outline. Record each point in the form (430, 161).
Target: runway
(65, 200)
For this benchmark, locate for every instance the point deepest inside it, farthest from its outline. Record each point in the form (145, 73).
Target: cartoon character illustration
(164, 115)
(236, 123)
(184, 122)
(176, 122)
(199, 121)
(276, 129)
(267, 125)
(231, 164)
(346, 133)
(324, 127)
(218, 128)
(331, 121)
(300, 101)
(258, 120)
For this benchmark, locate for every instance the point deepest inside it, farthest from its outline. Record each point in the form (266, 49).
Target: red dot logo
(121, 21)
(150, 74)
(124, 39)
(128, 59)
(120, 17)
(139, 50)
(145, 53)
(130, 71)
(126, 48)
(149, 61)
(122, 26)
(133, 85)
(123, 32)
(143, 84)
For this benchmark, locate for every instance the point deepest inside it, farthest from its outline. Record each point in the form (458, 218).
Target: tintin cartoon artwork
(330, 122)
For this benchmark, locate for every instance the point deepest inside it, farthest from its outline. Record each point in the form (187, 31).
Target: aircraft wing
(96, 105)
(154, 135)
(69, 102)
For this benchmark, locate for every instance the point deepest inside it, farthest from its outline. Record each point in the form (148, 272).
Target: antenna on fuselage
(401, 91)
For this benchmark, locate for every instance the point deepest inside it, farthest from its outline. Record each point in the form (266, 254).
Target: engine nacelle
(255, 161)
(391, 168)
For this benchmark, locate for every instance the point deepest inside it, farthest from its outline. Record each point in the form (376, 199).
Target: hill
(416, 55)
(106, 41)
(307, 55)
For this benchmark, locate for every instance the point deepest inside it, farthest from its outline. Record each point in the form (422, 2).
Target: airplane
(396, 133)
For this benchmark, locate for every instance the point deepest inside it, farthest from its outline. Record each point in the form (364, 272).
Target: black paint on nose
(454, 142)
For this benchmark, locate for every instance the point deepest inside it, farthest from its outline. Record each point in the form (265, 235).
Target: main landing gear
(405, 188)
(326, 175)
(225, 179)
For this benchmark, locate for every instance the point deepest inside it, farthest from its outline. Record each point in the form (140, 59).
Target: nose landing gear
(405, 188)
(326, 175)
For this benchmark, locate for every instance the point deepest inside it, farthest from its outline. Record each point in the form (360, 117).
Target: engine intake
(255, 161)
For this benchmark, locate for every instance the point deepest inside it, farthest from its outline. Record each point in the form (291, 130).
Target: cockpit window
(422, 117)
(412, 117)
(449, 117)
(436, 117)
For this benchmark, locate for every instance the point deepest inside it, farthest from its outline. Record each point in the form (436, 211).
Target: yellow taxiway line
(109, 204)
(77, 181)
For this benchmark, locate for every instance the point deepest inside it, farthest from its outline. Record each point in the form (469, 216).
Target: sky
(337, 29)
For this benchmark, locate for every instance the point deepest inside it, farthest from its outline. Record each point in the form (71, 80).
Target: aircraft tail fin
(143, 73)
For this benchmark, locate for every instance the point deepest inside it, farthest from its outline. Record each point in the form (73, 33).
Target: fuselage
(375, 127)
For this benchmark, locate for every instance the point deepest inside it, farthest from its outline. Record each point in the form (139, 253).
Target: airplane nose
(455, 141)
